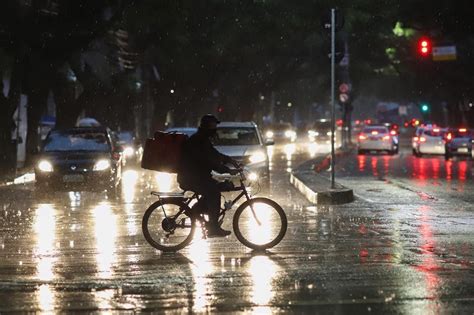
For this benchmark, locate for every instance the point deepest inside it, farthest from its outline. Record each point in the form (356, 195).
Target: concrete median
(316, 187)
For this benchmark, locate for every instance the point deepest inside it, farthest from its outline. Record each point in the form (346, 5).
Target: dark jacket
(199, 158)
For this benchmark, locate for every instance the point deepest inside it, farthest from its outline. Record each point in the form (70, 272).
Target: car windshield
(281, 127)
(126, 137)
(322, 125)
(236, 136)
(378, 130)
(76, 141)
(187, 131)
(462, 134)
(434, 132)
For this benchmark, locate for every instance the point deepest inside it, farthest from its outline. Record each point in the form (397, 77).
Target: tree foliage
(189, 57)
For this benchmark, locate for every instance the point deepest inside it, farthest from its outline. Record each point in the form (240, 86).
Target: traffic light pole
(333, 102)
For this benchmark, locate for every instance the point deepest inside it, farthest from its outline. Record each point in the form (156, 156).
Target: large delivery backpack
(163, 152)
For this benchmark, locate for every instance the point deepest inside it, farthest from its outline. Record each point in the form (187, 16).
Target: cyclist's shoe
(217, 231)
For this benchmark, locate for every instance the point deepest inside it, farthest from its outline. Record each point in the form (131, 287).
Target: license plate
(73, 178)
(373, 138)
(463, 150)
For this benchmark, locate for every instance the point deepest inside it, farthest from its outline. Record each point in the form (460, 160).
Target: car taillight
(462, 129)
(375, 132)
(422, 139)
(449, 136)
(416, 139)
(362, 137)
(393, 132)
(386, 138)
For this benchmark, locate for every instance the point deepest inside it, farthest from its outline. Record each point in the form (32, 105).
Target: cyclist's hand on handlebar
(236, 164)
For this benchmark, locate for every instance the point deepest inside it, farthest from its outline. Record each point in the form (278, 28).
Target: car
(189, 131)
(243, 142)
(88, 122)
(415, 139)
(132, 148)
(80, 158)
(458, 142)
(376, 138)
(320, 131)
(282, 132)
(428, 140)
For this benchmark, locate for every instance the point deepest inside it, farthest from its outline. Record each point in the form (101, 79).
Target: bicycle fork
(251, 208)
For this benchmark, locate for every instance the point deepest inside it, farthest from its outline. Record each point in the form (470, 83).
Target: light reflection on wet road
(401, 253)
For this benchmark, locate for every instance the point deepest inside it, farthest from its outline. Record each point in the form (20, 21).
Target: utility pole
(333, 103)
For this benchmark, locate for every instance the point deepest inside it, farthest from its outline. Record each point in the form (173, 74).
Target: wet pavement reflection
(74, 251)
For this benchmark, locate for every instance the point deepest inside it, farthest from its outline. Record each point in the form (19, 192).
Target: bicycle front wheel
(166, 227)
(260, 223)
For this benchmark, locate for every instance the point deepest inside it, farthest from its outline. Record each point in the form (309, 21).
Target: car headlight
(45, 166)
(328, 133)
(101, 165)
(258, 157)
(269, 134)
(290, 133)
(313, 133)
(128, 151)
(253, 176)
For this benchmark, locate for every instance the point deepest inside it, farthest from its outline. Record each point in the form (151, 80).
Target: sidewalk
(308, 179)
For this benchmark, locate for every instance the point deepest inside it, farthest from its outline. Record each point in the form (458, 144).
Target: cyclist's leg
(211, 198)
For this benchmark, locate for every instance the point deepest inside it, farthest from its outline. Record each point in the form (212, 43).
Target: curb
(311, 195)
(340, 195)
(321, 195)
(25, 177)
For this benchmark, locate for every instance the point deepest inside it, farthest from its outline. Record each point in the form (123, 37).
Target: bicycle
(258, 223)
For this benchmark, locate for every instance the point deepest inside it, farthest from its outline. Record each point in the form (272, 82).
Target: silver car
(429, 140)
(243, 142)
(376, 138)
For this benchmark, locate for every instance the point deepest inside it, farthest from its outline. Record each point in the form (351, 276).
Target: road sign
(343, 97)
(326, 20)
(344, 88)
(444, 53)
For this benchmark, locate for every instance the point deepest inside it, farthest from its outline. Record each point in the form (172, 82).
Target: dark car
(282, 132)
(79, 159)
(458, 142)
(320, 131)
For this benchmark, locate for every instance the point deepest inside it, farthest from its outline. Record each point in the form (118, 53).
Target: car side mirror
(269, 142)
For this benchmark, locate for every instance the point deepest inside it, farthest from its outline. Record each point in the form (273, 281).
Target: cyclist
(199, 158)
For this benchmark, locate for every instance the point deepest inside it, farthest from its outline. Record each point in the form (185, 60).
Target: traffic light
(424, 47)
(425, 107)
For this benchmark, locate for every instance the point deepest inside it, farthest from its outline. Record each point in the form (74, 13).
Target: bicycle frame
(187, 201)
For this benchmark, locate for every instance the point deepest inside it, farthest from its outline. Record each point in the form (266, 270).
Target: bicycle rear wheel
(166, 227)
(260, 223)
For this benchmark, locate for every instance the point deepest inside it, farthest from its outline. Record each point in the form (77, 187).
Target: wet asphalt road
(405, 246)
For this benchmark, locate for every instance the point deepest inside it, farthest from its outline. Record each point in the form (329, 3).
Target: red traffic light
(424, 47)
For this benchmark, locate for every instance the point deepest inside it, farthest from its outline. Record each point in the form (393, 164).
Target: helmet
(207, 119)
